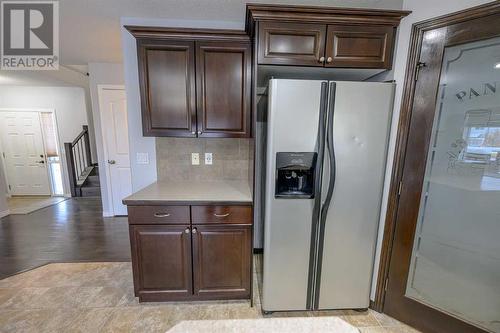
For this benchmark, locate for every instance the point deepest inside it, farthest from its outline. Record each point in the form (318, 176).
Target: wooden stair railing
(79, 161)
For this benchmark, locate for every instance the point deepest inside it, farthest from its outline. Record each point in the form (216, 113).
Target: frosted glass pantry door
(455, 265)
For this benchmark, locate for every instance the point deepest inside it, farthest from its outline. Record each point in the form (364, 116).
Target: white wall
(145, 174)
(3, 194)
(421, 10)
(110, 74)
(68, 103)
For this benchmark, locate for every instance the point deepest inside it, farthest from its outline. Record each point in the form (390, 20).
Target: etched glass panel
(455, 265)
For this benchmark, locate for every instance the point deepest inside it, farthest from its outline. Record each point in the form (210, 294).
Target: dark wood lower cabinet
(203, 260)
(221, 261)
(161, 258)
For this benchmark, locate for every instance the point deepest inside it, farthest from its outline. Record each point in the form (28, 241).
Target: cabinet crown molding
(142, 32)
(318, 14)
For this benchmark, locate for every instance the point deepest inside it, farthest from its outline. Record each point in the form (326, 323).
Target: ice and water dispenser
(295, 175)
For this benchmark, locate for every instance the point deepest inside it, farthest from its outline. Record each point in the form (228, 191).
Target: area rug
(266, 325)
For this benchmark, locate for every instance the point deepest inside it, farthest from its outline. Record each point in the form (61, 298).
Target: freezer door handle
(318, 173)
(330, 148)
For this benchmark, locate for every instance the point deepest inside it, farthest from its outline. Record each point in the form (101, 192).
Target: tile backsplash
(232, 159)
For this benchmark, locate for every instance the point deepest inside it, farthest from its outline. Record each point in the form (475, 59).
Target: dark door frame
(412, 68)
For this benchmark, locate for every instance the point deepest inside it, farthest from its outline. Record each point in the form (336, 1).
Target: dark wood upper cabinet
(223, 71)
(282, 43)
(323, 36)
(359, 46)
(161, 257)
(221, 260)
(194, 82)
(167, 81)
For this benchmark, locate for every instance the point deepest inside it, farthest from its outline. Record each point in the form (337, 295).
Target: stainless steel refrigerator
(325, 165)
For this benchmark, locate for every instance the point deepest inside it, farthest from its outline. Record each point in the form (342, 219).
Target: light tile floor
(29, 204)
(98, 297)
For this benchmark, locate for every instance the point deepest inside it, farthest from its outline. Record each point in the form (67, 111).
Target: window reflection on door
(455, 265)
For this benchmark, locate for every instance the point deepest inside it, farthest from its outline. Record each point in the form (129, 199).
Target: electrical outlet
(208, 158)
(195, 159)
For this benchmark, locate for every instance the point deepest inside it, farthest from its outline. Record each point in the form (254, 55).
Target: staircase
(83, 174)
(91, 187)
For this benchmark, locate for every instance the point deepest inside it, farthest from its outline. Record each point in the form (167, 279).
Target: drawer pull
(222, 215)
(162, 214)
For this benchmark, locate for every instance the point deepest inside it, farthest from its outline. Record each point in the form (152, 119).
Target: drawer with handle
(158, 215)
(221, 214)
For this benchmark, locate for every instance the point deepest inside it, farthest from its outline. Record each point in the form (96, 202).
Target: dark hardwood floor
(71, 231)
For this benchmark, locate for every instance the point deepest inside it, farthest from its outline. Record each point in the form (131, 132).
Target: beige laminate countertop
(188, 192)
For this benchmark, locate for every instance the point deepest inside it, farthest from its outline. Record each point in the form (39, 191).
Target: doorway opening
(31, 159)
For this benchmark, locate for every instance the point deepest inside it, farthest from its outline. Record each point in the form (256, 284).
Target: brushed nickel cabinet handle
(162, 214)
(322, 59)
(194, 230)
(222, 215)
(329, 59)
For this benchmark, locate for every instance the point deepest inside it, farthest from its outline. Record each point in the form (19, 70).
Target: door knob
(194, 230)
(186, 231)
(329, 59)
(111, 161)
(322, 59)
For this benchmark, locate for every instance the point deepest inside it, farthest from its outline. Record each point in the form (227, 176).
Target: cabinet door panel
(359, 46)
(291, 44)
(221, 261)
(161, 258)
(167, 79)
(223, 89)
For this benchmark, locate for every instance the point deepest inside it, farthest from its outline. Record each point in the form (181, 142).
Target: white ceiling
(65, 76)
(90, 29)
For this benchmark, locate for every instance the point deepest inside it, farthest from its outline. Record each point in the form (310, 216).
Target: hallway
(70, 231)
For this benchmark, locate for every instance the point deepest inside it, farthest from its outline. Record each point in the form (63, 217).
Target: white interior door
(115, 133)
(24, 153)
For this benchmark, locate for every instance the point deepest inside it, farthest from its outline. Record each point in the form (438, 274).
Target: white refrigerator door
(362, 117)
(293, 119)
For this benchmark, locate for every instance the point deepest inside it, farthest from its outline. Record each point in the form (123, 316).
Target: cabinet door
(291, 44)
(221, 261)
(167, 83)
(223, 71)
(359, 46)
(161, 260)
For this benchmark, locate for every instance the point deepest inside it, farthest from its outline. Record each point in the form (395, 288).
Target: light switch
(142, 158)
(195, 159)
(208, 158)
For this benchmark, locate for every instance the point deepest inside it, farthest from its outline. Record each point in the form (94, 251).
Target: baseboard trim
(107, 214)
(4, 213)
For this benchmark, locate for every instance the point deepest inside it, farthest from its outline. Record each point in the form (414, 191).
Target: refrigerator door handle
(329, 193)
(313, 253)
